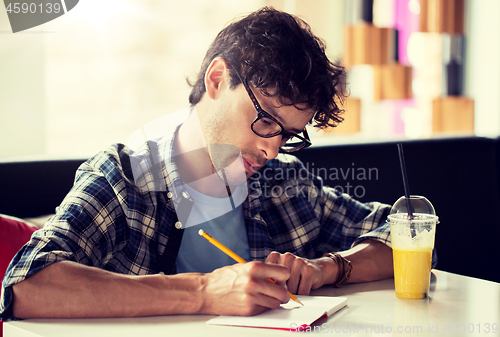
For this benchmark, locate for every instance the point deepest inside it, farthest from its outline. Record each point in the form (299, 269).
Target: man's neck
(193, 161)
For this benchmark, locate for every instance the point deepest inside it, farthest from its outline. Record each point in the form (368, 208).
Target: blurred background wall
(75, 85)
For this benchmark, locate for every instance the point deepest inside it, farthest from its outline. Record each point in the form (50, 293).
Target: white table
(456, 304)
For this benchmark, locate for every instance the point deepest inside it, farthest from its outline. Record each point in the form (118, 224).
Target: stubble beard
(226, 158)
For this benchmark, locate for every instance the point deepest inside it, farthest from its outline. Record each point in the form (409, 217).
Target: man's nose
(270, 146)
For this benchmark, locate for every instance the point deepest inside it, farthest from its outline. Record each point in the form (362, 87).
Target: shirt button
(313, 192)
(169, 195)
(185, 194)
(178, 225)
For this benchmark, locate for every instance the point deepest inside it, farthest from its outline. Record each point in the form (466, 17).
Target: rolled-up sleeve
(82, 230)
(44, 248)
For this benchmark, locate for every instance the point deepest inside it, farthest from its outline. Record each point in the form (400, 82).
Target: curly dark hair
(273, 49)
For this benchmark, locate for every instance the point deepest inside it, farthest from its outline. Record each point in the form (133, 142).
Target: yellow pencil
(234, 256)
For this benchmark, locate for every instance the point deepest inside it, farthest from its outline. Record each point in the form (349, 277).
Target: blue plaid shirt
(121, 223)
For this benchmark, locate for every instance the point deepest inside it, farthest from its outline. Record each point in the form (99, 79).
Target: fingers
(293, 263)
(253, 299)
(260, 275)
(277, 272)
(305, 274)
(274, 257)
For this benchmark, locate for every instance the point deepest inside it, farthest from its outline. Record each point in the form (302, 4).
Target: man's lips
(251, 166)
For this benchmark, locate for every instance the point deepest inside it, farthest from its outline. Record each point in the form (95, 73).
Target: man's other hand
(305, 274)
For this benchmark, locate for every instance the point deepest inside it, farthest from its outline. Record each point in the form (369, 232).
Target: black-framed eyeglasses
(267, 126)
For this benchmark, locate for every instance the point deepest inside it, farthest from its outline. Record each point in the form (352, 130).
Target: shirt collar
(151, 155)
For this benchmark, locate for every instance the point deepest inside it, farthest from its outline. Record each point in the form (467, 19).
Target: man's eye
(267, 122)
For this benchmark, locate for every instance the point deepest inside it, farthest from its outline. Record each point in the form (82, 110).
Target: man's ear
(216, 77)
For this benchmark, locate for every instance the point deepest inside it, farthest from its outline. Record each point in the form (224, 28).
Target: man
(124, 243)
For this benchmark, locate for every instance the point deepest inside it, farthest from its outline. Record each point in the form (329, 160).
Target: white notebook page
(288, 316)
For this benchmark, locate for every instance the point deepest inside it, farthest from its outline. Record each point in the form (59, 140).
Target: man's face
(229, 122)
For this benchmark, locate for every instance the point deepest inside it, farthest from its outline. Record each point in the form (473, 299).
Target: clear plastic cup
(412, 244)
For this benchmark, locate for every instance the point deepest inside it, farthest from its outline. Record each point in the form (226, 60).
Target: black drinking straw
(405, 179)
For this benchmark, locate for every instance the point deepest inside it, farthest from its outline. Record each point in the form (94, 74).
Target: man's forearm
(371, 260)
(67, 289)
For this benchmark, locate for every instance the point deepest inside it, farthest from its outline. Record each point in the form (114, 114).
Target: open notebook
(290, 316)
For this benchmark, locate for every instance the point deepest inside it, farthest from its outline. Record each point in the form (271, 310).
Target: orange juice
(412, 272)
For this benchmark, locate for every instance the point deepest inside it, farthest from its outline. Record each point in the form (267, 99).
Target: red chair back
(13, 235)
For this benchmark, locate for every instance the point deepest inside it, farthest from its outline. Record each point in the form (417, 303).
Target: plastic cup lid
(422, 209)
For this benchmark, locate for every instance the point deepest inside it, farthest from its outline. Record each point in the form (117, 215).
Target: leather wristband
(345, 268)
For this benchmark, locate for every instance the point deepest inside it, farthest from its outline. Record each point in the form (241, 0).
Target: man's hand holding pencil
(244, 289)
